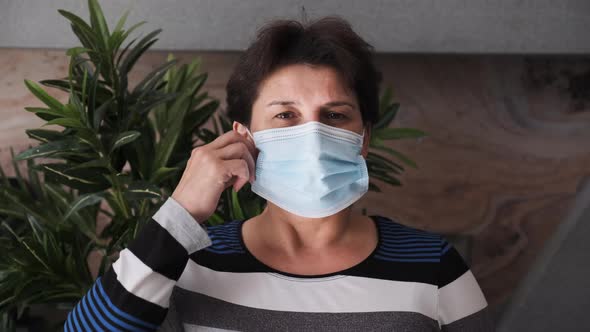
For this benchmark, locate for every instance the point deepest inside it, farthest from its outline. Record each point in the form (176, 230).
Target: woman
(304, 99)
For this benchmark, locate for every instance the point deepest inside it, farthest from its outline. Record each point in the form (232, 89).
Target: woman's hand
(211, 168)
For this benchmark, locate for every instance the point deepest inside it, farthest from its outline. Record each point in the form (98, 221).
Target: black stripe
(90, 315)
(480, 321)
(100, 312)
(212, 312)
(452, 266)
(99, 298)
(372, 268)
(130, 303)
(156, 248)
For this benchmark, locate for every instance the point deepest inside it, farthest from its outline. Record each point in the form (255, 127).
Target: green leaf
(84, 201)
(130, 30)
(374, 187)
(237, 212)
(66, 122)
(100, 112)
(162, 174)
(142, 190)
(121, 22)
(75, 51)
(168, 142)
(96, 163)
(50, 148)
(399, 133)
(77, 21)
(125, 138)
(82, 30)
(98, 22)
(399, 155)
(53, 103)
(151, 79)
(215, 219)
(198, 117)
(145, 43)
(88, 180)
(38, 110)
(387, 117)
(386, 99)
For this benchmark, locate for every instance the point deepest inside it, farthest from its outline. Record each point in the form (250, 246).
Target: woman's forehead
(301, 81)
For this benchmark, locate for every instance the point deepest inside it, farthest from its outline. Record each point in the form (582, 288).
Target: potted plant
(120, 153)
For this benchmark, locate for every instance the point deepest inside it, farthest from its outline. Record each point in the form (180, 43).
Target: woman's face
(298, 93)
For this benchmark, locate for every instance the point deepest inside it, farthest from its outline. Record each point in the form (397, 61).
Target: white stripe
(182, 226)
(201, 328)
(460, 298)
(335, 294)
(140, 280)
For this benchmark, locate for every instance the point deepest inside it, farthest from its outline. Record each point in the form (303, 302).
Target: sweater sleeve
(134, 293)
(462, 306)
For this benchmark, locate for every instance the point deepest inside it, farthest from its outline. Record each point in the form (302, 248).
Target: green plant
(120, 154)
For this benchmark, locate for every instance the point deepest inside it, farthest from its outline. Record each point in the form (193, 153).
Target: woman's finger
(237, 168)
(237, 151)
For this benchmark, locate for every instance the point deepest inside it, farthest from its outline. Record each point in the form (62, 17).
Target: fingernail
(241, 129)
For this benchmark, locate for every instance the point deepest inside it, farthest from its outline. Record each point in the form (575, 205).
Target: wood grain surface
(509, 142)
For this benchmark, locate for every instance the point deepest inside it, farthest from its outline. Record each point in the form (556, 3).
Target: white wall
(447, 26)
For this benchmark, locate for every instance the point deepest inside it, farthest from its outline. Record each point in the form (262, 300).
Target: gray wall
(446, 26)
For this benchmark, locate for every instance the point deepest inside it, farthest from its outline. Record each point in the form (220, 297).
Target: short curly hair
(328, 41)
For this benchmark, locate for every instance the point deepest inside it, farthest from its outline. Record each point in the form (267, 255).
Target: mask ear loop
(250, 134)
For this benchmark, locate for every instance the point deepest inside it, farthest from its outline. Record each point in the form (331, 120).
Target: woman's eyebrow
(338, 103)
(281, 102)
(328, 104)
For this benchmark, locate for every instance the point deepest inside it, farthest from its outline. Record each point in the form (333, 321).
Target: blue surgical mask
(312, 170)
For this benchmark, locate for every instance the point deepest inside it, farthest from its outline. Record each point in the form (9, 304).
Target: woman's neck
(294, 234)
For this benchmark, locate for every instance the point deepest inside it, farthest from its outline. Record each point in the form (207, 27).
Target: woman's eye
(284, 115)
(336, 116)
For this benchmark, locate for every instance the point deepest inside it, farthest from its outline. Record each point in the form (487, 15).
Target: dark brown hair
(328, 41)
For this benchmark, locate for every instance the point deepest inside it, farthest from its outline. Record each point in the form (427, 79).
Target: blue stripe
(233, 239)
(391, 254)
(68, 324)
(416, 260)
(412, 244)
(446, 248)
(87, 312)
(230, 229)
(116, 320)
(408, 230)
(224, 235)
(231, 232)
(398, 233)
(387, 240)
(402, 227)
(221, 245)
(121, 312)
(406, 236)
(420, 249)
(392, 225)
(97, 312)
(224, 252)
(70, 319)
(415, 244)
(82, 318)
(217, 245)
(75, 319)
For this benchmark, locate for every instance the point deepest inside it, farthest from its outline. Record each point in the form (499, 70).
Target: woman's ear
(242, 130)
(366, 141)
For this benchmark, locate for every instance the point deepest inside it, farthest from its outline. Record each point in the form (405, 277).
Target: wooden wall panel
(508, 145)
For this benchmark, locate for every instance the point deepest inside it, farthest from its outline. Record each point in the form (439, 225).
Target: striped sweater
(178, 275)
